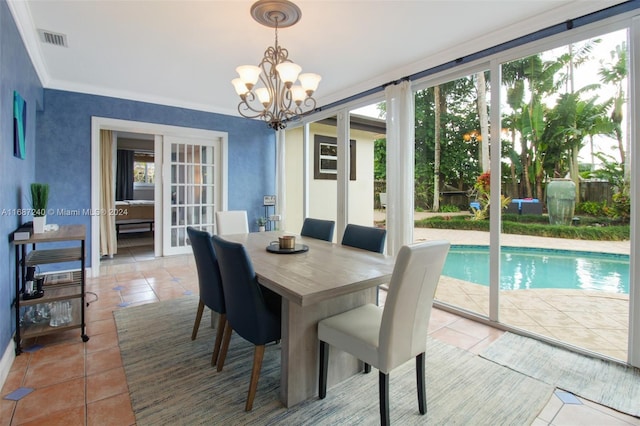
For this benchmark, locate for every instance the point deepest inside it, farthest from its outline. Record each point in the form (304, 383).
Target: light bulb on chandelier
(279, 99)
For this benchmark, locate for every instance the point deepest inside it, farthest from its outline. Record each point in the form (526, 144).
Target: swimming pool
(535, 268)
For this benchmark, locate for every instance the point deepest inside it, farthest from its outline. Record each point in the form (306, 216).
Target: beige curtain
(108, 242)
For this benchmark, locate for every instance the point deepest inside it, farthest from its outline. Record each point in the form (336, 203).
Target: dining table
(317, 280)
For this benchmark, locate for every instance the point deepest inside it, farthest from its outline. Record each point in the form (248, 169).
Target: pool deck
(594, 321)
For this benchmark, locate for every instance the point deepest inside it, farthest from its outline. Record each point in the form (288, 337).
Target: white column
(634, 267)
(306, 169)
(342, 215)
(495, 218)
(281, 188)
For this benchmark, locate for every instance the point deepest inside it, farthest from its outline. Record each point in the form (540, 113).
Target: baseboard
(7, 361)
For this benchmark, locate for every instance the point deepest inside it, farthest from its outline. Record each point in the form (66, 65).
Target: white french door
(192, 189)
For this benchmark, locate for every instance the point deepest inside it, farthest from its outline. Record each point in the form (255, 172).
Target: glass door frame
(616, 23)
(494, 61)
(159, 130)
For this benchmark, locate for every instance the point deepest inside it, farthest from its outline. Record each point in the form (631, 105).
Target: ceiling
(184, 53)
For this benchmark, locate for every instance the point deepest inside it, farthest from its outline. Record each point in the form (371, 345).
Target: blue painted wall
(64, 149)
(16, 74)
(59, 151)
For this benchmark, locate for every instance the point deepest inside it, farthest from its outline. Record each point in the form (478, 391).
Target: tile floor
(77, 383)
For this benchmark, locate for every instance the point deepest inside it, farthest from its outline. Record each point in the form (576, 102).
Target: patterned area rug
(604, 382)
(172, 382)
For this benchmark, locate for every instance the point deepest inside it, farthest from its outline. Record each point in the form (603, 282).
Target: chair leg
(258, 354)
(225, 347)
(222, 322)
(324, 364)
(383, 384)
(422, 400)
(196, 325)
(367, 368)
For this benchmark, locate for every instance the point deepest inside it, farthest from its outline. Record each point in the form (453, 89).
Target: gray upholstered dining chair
(364, 237)
(318, 228)
(387, 338)
(209, 284)
(232, 222)
(253, 311)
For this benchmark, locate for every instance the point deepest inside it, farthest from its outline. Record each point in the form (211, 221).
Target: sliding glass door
(565, 169)
(523, 162)
(451, 172)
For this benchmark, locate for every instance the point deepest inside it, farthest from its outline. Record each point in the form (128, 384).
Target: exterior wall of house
(323, 192)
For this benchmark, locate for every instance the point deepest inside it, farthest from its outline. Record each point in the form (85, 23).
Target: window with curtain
(143, 168)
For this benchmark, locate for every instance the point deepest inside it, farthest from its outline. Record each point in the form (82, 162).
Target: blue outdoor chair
(318, 228)
(210, 285)
(253, 311)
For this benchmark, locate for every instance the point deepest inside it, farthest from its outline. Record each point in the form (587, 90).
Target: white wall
(322, 192)
(294, 180)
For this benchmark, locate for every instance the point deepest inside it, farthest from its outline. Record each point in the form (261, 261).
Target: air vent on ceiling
(53, 38)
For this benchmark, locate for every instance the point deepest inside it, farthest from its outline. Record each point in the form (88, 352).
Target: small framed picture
(269, 200)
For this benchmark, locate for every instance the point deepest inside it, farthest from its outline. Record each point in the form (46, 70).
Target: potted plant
(262, 223)
(39, 201)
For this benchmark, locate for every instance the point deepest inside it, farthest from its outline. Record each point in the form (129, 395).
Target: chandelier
(278, 99)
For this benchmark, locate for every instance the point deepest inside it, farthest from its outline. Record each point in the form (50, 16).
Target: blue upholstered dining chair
(387, 338)
(253, 311)
(318, 228)
(210, 285)
(364, 237)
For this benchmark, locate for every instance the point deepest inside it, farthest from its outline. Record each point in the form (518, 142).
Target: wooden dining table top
(325, 271)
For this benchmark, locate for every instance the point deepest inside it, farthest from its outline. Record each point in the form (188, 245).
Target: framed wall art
(19, 126)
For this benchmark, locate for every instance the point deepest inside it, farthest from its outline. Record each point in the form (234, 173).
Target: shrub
(621, 207)
(525, 218)
(588, 229)
(592, 208)
(449, 208)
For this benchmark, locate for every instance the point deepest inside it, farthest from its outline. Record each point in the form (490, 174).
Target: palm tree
(520, 76)
(481, 87)
(615, 72)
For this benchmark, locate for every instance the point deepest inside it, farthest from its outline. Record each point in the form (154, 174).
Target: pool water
(534, 268)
